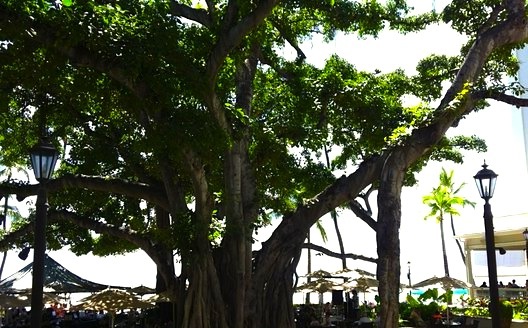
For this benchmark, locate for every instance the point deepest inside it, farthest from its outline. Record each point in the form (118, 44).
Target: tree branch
(230, 39)
(328, 252)
(197, 15)
(117, 186)
(513, 30)
(362, 214)
(300, 54)
(499, 96)
(143, 242)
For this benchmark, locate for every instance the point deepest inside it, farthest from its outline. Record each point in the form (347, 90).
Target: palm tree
(446, 179)
(322, 231)
(442, 201)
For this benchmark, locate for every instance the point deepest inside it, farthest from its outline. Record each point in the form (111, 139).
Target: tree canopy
(183, 128)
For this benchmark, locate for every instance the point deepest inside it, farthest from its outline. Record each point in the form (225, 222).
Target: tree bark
(387, 239)
(461, 251)
(444, 251)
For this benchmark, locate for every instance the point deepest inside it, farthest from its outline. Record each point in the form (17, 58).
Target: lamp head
(43, 159)
(485, 180)
(23, 255)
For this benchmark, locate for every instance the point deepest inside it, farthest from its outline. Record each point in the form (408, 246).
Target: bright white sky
(420, 240)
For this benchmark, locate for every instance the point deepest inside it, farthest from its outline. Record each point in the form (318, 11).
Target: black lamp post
(409, 275)
(485, 180)
(43, 159)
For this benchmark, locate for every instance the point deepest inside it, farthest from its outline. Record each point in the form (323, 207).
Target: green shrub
(520, 308)
(505, 309)
(426, 305)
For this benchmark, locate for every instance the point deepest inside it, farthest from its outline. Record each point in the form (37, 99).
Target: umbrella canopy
(353, 273)
(142, 290)
(113, 300)
(446, 283)
(364, 283)
(319, 274)
(319, 285)
(159, 298)
(11, 301)
(47, 298)
(57, 279)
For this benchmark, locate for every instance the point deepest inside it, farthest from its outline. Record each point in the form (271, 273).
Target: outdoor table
(446, 324)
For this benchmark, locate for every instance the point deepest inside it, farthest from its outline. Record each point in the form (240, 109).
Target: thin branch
(338, 255)
(300, 54)
(362, 214)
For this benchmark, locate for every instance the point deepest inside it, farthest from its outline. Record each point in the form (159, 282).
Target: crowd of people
(511, 284)
(326, 315)
(60, 316)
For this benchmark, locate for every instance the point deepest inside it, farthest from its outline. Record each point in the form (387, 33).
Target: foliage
(520, 308)
(474, 307)
(443, 199)
(509, 309)
(425, 304)
(100, 117)
(184, 127)
(370, 309)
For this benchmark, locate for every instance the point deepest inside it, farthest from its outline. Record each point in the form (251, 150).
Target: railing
(509, 293)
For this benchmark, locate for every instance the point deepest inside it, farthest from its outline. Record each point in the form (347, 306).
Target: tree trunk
(204, 306)
(388, 241)
(334, 218)
(4, 224)
(444, 251)
(235, 262)
(271, 293)
(339, 239)
(168, 311)
(309, 269)
(462, 255)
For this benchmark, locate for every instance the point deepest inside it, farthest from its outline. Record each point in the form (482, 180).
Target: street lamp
(485, 180)
(409, 275)
(43, 159)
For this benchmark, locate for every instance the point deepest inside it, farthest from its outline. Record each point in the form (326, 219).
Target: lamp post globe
(43, 159)
(486, 180)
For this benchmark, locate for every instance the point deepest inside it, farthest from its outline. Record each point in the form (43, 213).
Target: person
(416, 319)
(484, 285)
(501, 285)
(354, 306)
(437, 317)
(514, 284)
(304, 316)
(327, 310)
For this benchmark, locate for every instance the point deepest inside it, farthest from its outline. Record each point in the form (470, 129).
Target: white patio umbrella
(113, 300)
(447, 284)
